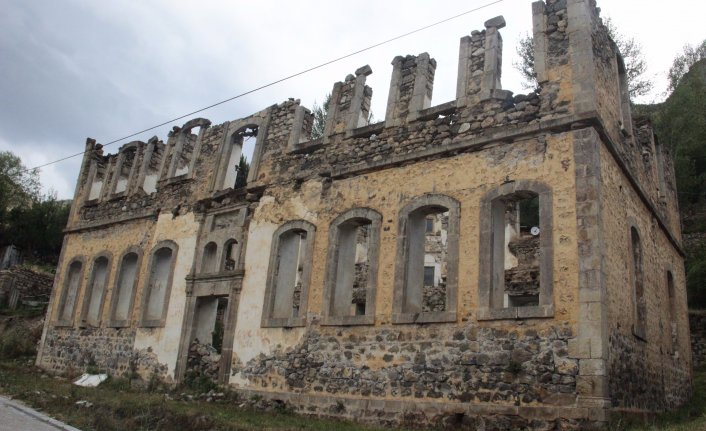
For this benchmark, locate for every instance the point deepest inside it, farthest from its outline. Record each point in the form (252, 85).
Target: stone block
(592, 367)
(497, 22)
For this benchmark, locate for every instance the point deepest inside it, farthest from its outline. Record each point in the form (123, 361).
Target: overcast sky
(104, 69)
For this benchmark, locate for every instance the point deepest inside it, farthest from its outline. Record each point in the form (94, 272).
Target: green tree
(18, 186)
(32, 222)
(680, 123)
(683, 62)
(630, 49)
(37, 229)
(241, 177)
(320, 114)
(525, 65)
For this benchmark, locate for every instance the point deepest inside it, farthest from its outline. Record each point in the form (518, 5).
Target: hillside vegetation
(680, 124)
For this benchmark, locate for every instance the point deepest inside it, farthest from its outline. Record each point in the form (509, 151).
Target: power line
(278, 81)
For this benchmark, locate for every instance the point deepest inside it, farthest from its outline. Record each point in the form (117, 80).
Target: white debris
(91, 380)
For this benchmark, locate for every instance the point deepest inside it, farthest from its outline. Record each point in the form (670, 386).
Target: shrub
(16, 342)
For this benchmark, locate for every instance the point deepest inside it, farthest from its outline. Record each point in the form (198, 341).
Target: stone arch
(231, 255)
(70, 289)
(126, 167)
(209, 258)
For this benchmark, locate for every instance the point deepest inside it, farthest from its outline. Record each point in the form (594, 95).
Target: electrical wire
(426, 27)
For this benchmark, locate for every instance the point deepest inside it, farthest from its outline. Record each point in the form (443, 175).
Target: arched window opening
(96, 185)
(124, 171)
(156, 297)
(208, 260)
(149, 184)
(186, 153)
(95, 291)
(72, 283)
(234, 166)
(124, 290)
(230, 255)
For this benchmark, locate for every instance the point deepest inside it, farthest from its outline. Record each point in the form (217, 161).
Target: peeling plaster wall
(164, 342)
(250, 339)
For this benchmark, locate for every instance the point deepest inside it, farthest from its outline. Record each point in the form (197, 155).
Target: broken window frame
(637, 282)
(88, 292)
(145, 322)
(131, 147)
(432, 202)
(490, 289)
(234, 141)
(256, 123)
(61, 309)
(270, 291)
(179, 138)
(113, 322)
(233, 245)
(98, 169)
(359, 217)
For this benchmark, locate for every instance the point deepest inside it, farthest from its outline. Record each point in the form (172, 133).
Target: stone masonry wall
(466, 364)
(643, 373)
(19, 283)
(108, 349)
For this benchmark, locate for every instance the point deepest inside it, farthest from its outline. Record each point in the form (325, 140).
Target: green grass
(116, 405)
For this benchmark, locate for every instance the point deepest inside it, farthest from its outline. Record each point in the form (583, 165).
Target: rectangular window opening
(290, 268)
(204, 358)
(521, 251)
(435, 259)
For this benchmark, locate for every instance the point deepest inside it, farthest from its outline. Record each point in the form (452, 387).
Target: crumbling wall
(572, 135)
(23, 286)
(110, 350)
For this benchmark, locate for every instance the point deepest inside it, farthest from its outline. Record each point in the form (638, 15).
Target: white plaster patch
(164, 342)
(250, 339)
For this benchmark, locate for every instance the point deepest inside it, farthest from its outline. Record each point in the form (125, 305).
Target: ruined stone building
(507, 260)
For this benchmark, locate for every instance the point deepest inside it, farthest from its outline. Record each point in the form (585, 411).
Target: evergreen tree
(241, 178)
